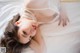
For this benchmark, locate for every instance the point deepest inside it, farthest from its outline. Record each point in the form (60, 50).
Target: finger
(68, 20)
(64, 23)
(59, 21)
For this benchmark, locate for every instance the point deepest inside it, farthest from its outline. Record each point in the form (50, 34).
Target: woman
(23, 30)
(16, 38)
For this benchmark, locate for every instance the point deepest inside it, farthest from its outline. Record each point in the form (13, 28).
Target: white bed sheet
(58, 39)
(64, 39)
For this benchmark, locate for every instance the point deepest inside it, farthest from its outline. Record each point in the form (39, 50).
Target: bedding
(58, 39)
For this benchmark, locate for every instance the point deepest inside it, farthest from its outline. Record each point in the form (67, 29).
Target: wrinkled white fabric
(58, 39)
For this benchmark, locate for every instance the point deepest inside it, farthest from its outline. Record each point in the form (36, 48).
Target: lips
(33, 30)
(34, 27)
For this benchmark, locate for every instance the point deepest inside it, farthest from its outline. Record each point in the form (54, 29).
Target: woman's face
(27, 29)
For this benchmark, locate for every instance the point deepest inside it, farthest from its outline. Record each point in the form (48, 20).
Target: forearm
(63, 13)
(62, 8)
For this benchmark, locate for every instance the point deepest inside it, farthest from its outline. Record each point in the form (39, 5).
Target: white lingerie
(50, 10)
(31, 14)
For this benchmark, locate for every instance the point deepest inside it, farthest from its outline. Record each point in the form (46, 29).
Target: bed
(58, 39)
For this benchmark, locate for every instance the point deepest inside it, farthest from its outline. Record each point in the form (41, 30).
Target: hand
(63, 19)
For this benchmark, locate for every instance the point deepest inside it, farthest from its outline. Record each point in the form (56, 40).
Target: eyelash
(24, 33)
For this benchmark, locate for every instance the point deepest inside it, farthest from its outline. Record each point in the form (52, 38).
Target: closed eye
(24, 33)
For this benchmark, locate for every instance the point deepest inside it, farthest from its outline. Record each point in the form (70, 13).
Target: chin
(34, 33)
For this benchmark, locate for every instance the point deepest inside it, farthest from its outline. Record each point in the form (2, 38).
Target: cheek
(22, 39)
(27, 25)
(33, 33)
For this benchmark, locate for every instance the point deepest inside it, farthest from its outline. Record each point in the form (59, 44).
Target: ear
(17, 23)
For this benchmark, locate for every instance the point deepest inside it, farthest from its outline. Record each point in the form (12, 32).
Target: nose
(30, 30)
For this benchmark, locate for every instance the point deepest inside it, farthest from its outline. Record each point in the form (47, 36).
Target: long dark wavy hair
(10, 39)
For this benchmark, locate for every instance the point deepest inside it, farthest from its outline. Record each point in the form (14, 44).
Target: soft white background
(58, 39)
